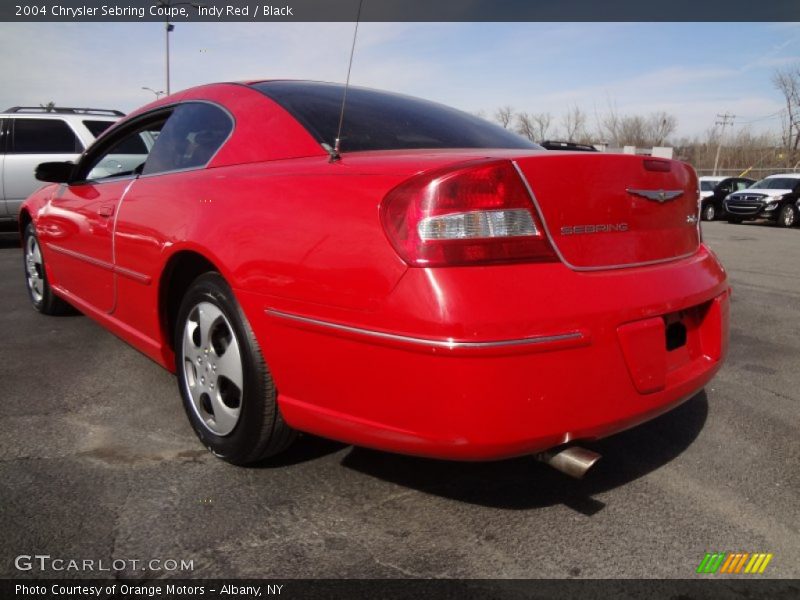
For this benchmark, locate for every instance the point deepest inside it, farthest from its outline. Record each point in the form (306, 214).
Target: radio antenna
(338, 142)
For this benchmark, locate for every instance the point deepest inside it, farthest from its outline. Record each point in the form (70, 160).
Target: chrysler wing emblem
(656, 195)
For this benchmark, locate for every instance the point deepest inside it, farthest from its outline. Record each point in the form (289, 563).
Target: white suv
(30, 136)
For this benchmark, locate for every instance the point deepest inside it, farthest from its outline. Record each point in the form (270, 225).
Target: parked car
(432, 286)
(713, 191)
(772, 198)
(569, 146)
(31, 135)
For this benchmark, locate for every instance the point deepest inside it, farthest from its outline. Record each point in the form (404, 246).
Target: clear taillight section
(479, 212)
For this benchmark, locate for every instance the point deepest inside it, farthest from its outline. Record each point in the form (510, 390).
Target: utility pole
(726, 119)
(169, 28)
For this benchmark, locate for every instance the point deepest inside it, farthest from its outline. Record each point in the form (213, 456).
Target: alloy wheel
(34, 269)
(212, 373)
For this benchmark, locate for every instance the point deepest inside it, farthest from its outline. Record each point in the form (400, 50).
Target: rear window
(97, 127)
(708, 186)
(44, 136)
(375, 120)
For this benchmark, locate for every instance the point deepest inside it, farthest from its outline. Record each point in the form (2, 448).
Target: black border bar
(404, 10)
(718, 588)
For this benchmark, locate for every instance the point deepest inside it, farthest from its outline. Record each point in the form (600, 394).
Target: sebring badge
(656, 195)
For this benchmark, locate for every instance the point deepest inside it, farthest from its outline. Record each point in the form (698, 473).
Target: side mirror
(55, 172)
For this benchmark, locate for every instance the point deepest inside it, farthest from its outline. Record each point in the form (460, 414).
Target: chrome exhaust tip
(574, 461)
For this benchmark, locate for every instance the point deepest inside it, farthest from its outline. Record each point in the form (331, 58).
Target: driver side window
(127, 156)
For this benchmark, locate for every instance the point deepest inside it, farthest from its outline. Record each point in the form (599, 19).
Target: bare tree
(608, 125)
(534, 126)
(636, 130)
(525, 126)
(745, 153)
(542, 123)
(574, 122)
(660, 126)
(504, 115)
(787, 81)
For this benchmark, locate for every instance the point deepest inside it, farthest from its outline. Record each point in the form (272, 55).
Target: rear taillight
(479, 212)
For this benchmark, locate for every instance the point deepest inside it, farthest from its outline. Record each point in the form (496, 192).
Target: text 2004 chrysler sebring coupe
(442, 287)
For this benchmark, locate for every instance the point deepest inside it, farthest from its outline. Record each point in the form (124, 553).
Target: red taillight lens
(479, 212)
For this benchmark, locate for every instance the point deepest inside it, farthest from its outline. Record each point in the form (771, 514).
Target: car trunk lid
(607, 211)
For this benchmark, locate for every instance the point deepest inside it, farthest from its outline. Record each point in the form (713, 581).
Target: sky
(691, 70)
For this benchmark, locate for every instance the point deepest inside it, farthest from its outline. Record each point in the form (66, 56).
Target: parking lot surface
(98, 461)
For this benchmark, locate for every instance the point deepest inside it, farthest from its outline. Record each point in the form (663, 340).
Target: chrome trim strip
(135, 275)
(449, 344)
(106, 266)
(576, 267)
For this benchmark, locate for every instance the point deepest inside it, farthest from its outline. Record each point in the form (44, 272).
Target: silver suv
(30, 135)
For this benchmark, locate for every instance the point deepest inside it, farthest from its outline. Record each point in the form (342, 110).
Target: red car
(437, 286)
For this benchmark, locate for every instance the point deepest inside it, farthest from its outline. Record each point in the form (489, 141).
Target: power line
(776, 115)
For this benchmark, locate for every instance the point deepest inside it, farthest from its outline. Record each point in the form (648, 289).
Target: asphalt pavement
(98, 462)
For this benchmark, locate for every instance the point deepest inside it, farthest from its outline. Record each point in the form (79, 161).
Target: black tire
(709, 212)
(787, 217)
(39, 291)
(735, 220)
(259, 430)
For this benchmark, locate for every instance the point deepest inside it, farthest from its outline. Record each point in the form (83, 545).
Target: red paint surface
(293, 232)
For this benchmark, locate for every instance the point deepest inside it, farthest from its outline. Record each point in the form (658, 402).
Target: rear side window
(97, 127)
(376, 120)
(44, 136)
(189, 139)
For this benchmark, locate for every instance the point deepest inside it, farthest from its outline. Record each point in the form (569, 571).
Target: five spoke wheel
(213, 368)
(226, 386)
(34, 269)
(39, 291)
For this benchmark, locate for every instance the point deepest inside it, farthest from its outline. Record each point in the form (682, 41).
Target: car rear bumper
(487, 363)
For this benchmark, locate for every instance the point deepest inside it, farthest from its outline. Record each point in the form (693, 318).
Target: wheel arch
(24, 219)
(180, 270)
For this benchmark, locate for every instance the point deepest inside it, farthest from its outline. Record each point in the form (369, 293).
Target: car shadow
(305, 448)
(9, 240)
(524, 483)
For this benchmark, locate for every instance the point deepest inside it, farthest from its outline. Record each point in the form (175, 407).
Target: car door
(724, 187)
(33, 140)
(77, 230)
(153, 209)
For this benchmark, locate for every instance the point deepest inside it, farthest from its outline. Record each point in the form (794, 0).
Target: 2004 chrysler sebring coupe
(438, 287)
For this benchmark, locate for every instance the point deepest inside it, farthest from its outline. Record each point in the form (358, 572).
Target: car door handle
(106, 210)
